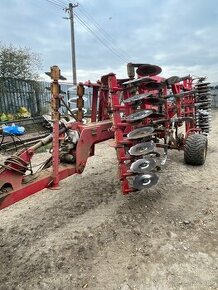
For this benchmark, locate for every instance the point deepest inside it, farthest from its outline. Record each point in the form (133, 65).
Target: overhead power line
(56, 3)
(89, 23)
(65, 3)
(88, 28)
(103, 32)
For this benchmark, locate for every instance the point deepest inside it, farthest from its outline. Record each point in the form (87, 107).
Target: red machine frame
(106, 123)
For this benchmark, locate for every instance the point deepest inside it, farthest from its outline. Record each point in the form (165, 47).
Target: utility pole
(70, 9)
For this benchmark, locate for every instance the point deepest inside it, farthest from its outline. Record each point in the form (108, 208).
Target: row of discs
(145, 158)
(143, 152)
(203, 106)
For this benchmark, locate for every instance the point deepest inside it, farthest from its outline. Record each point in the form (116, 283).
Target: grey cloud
(171, 33)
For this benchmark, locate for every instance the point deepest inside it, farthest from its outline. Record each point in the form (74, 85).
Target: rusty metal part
(130, 70)
(80, 90)
(148, 70)
(80, 103)
(105, 78)
(55, 73)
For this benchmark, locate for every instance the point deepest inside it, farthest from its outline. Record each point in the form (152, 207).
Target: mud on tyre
(195, 149)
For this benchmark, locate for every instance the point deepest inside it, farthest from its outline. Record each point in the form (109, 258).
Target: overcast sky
(181, 36)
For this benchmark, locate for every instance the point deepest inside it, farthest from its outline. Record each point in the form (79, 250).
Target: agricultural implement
(145, 115)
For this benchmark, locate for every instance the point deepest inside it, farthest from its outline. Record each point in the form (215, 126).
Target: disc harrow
(148, 111)
(145, 114)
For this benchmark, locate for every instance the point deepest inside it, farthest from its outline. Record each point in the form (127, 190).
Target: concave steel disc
(138, 81)
(140, 133)
(136, 98)
(139, 115)
(148, 70)
(145, 180)
(141, 148)
(143, 165)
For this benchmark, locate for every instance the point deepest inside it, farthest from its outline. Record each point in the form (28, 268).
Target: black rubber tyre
(195, 149)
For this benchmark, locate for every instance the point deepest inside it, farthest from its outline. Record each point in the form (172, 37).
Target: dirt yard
(88, 236)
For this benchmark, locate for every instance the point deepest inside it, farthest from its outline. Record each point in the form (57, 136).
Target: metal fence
(35, 96)
(16, 93)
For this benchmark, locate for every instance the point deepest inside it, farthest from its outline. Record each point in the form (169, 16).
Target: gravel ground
(88, 236)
